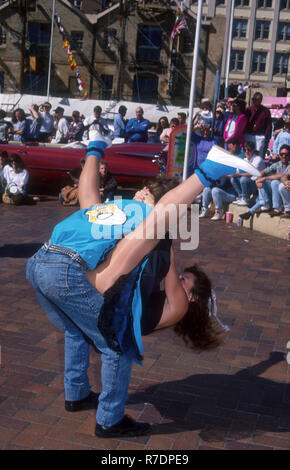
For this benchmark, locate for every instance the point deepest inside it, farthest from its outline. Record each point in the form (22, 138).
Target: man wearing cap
(119, 123)
(47, 126)
(75, 129)
(96, 123)
(61, 126)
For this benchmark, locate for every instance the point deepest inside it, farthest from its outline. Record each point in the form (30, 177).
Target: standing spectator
(61, 126)
(236, 122)
(33, 124)
(75, 128)
(120, 123)
(219, 125)
(204, 143)
(243, 183)
(47, 124)
(4, 127)
(95, 122)
(137, 128)
(268, 183)
(181, 118)
(3, 162)
(108, 184)
(259, 127)
(283, 138)
(162, 125)
(19, 125)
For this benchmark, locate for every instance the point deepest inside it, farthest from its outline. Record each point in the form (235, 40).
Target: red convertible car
(48, 164)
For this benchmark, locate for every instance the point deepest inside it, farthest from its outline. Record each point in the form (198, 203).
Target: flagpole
(192, 88)
(50, 49)
(229, 49)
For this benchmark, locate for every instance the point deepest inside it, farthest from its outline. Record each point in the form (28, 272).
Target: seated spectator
(137, 128)
(164, 137)
(3, 162)
(108, 184)
(4, 127)
(33, 124)
(221, 193)
(68, 196)
(96, 122)
(162, 125)
(283, 138)
(47, 124)
(236, 122)
(120, 123)
(60, 125)
(279, 126)
(284, 190)
(268, 184)
(181, 118)
(243, 183)
(17, 132)
(259, 126)
(75, 129)
(16, 177)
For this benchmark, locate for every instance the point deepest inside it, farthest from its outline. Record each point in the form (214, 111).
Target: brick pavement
(235, 397)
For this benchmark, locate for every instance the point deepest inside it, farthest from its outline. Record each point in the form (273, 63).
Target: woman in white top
(16, 177)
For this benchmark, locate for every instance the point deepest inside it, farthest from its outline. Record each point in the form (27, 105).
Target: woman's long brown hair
(197, 327)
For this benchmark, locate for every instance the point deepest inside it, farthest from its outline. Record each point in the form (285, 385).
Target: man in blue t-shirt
(137, 128)
(119, 123)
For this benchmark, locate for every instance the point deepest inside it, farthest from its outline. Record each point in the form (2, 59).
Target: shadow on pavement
(219, 404)
(25, 250)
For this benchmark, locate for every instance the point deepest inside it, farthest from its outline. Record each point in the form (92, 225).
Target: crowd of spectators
(243, 131)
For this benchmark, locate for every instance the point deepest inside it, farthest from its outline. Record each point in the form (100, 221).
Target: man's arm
(89, 182)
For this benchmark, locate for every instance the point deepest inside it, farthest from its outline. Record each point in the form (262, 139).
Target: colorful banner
(70, 59)
(176, 151)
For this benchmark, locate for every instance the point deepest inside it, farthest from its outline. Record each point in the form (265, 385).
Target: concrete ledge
(275, 226)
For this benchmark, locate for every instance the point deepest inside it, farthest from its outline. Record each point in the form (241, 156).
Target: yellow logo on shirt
(106, 214)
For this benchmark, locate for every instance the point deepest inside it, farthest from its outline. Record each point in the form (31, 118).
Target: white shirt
(95, 127)
(258, 163)
(20, 179)
(62, 128)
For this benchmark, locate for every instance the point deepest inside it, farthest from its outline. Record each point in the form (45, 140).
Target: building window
(264, 4)
(77, 38)
(237, 60)
(106, 92)
(186, 43)
(149, 43)
(259, 62)
(281, 63)
(284, 32)
(39, 34)
(2, 75)
(285, 5)
(262, 30)
(242, 3)
(77, 4)
(220, 2)
(145, 88)
(2, 37)
(240, 28)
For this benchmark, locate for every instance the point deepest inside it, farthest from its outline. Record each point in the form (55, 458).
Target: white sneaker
(204, 213)
(236, 201)
(243, 202)
(218, 215)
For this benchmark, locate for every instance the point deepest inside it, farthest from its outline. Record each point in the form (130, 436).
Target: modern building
(260, 47)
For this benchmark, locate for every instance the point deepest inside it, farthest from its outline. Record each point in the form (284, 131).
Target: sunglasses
(247, 149)
(284, 153)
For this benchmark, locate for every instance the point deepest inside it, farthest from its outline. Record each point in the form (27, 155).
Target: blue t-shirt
(95, 231)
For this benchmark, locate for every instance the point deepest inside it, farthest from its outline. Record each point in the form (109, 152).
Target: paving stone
(236, 397)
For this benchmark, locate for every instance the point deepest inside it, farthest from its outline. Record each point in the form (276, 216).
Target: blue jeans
(218, 196)
(285, 195)
(269, 194)
(244, 186)
(73, 305)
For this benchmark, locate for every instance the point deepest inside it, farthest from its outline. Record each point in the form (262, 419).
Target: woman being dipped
(88, 278)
